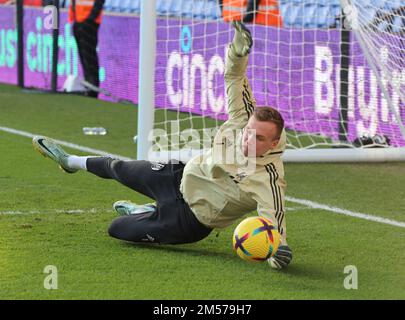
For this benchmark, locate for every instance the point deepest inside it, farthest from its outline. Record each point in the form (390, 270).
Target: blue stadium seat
(108, 5)
(312, 2)
(383, 26)
(310, 16)
(378, 3)
(135, 6)
(187, 9)
(124, 5)
(284, 7)
(160, 7)
(115, 5)
(176, 7)
(198, 9)
(393, 4)
(163, 7)
(290, 15)
(398, 24)
(322, 14)
(324, 18)
(306, 17)
(366, 15)
(213, 10)
(335, 10)
(299, 19)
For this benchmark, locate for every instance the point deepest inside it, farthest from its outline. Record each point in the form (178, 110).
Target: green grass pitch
(48, 217)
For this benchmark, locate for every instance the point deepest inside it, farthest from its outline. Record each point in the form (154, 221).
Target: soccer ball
(256, 239)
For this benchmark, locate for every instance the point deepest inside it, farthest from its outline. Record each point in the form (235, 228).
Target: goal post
(341, 92)
(146, 93)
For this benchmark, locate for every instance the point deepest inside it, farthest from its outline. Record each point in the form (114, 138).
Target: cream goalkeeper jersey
(220, 191)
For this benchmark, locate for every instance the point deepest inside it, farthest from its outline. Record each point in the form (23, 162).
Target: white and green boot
(48, 148)
(126, 207)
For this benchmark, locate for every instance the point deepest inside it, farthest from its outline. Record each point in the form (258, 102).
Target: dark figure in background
(86, 18)
(264, 12)
(252, 8)
(250, 12)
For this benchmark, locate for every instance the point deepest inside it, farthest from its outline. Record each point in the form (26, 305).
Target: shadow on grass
(295, 270)
(186, 249)
(309, 271)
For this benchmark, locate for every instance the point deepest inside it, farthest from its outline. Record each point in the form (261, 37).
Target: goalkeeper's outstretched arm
(240, 101)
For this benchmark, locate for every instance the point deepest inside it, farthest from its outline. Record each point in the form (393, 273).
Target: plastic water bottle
(100, 131)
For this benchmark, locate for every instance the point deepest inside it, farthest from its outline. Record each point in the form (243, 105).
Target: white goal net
(379, 27)
(340, 92)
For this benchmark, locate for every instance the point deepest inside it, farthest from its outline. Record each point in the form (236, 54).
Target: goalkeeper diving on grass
(193, 199)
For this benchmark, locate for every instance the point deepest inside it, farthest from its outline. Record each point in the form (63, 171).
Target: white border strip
(307, 203)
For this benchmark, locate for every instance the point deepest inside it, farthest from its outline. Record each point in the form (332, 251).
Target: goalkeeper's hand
(281, 258)
(242, 40)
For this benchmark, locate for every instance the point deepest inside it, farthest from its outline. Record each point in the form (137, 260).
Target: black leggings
(86, 35)
(172, 223)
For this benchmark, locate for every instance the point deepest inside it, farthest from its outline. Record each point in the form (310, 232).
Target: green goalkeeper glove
(242, 40)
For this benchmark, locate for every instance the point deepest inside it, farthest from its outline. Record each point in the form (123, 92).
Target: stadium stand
(295, 13)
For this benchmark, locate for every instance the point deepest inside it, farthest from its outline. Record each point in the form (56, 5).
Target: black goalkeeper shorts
(173, 222)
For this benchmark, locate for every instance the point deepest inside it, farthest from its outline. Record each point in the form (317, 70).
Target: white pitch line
(67, 211)
(288, 209)
(307, 203)
(18, 212)
(315, 205)
(65, 144)
(79, 211)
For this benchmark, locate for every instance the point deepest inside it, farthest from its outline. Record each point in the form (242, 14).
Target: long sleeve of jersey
(240, 101)
(270, 197)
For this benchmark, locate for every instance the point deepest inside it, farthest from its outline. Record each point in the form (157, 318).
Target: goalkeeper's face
(259, 137)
